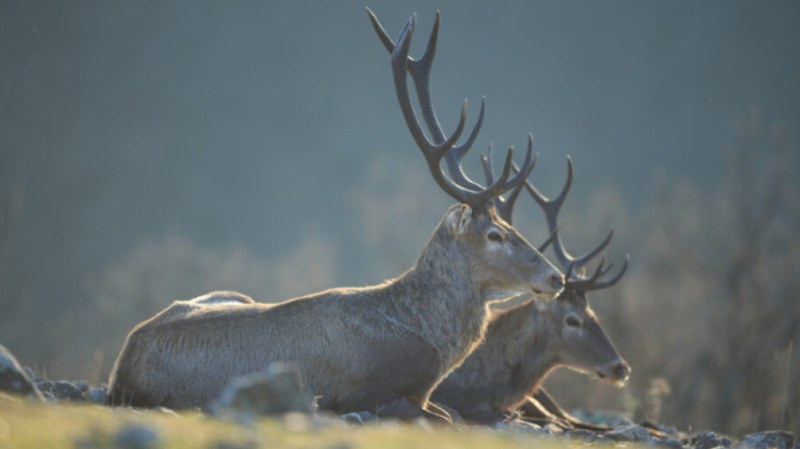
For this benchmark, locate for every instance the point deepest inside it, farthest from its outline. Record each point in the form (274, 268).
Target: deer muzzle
(616, 372)
(550, 286)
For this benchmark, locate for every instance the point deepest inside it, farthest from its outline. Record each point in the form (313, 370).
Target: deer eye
(494, 236)
(573, 322)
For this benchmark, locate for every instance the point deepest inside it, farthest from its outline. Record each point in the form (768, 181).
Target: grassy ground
(24, 424)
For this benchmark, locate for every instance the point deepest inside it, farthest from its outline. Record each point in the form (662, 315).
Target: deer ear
(459, 218)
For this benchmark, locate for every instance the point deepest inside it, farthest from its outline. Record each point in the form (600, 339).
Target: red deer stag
(381, 348)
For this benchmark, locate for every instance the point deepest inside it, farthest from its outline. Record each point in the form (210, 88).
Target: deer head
(578, 338)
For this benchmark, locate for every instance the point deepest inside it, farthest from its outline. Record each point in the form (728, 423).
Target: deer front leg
(444, 411)
(534, 411)
(406, 410)
(542, 400)
(542, 406)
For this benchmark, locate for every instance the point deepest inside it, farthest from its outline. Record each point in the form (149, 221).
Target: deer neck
(517, 355)
(441, 301)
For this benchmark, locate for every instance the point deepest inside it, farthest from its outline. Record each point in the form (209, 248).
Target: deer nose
(556, 281)
(615, 371)
(622, 371)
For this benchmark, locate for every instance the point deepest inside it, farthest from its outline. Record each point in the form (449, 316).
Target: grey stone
(97, 395)
(14, 378)
(66, 391)
(136, 437)
(630, 432)
(709, 440)
(277, 390)
(773, 439)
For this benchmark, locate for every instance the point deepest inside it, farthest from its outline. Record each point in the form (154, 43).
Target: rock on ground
(773, 439)
(630, 432)
(709, 440)
(277, 390)
(14, 378)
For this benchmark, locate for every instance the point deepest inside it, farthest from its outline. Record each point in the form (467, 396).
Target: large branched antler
(458, 185)
(504, 206)
(570, 263)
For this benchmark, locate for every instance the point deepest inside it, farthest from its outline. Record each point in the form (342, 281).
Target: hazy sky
(253, 122)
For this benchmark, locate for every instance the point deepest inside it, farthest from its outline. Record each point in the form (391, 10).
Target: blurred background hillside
(152, 152)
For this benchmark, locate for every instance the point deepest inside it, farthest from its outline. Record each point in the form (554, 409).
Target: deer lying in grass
(527, 342)
(381, 348)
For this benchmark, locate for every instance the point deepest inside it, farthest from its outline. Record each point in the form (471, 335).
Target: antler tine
(568, 274)
(609, 282)
(433, 152)
(386, 40)
(457, 185)
(508, 202)
(497, 188)
(420, 70)
(585, 283)
(522, 174)
(551, 209)
(454, 157)
(504, 184)
(547, 242)
(505, 206)
(486, 163)
(584, 259)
